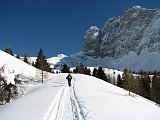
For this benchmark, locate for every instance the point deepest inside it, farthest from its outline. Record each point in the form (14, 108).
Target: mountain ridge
(136, 30)
(128, 41)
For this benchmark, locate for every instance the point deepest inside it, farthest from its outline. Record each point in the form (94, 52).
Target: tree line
(82, 69)
(143, 84)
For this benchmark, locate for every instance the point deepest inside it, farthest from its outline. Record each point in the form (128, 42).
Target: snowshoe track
(79, 109)
(67, 106)
(78, 113)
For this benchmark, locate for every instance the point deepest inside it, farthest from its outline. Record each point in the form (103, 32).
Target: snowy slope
(106, 101)
(88, 99)
(54, 60)
(13, 64)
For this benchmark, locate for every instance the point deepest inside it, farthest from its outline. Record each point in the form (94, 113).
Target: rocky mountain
(131, 40)
(136, 30)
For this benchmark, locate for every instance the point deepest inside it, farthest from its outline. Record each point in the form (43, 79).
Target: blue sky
(56, 26)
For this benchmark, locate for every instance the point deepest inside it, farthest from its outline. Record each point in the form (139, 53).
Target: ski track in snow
(76, 108)
(67, 106)
(79, 110)
(53, 111)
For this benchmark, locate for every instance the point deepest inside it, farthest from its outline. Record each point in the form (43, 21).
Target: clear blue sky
(56, 26)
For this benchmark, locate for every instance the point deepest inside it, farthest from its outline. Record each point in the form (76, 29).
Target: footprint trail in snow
(66, 106)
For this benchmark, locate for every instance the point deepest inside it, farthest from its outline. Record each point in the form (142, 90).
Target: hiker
(69, 78)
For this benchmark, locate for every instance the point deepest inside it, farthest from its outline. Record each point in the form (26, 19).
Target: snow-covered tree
(10, 86)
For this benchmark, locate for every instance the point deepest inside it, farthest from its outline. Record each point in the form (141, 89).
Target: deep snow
(88, 98)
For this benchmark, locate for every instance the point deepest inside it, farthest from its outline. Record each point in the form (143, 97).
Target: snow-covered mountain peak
(93, 28)
(91, 42)
(128, 40)
(92, 32)
(136, 31)
(62, 56)
(54, 60)
(137, 7)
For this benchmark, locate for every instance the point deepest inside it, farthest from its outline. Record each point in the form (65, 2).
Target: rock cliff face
(137, 30)
(128, 41)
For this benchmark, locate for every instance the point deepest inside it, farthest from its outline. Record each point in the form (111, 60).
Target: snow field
(66, 106)
(78, 105)
(55, 110)
(107, 101)
(19, 67)
(88, 98)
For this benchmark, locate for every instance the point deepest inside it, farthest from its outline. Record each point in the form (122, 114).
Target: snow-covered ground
(88, 98)
(13, 64)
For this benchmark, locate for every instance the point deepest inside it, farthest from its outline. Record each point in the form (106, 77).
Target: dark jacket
(69, 77)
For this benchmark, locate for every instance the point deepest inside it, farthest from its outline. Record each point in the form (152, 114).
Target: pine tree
(146, 86)
(87, 71)
(101, 74)
(128, 80)
(95, 70)
(41, 62)
(139, 87)
(80, 68)
(65, 69)
(9, 51)
(119, 81)
(155, 89)
(26, 58)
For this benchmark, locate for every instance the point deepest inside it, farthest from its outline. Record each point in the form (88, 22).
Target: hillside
(88, 98)
(18, 66)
